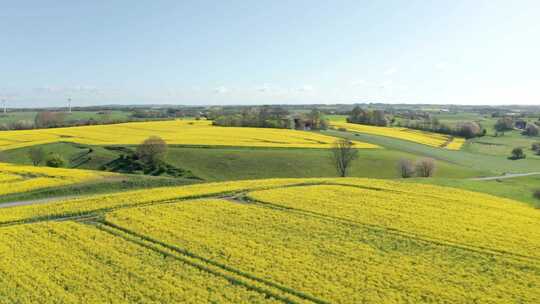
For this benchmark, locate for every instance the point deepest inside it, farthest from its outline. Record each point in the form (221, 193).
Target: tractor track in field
(504, 176)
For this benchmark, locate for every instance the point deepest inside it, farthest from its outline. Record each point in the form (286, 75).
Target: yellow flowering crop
(420, 137)
(74, 263)
(103, 202)
(455, 218)
(456, 143)
(320, 240)
(178, 132)
(17, 178)
(330, 260)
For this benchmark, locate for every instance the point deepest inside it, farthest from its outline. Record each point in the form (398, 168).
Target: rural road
(505, 176)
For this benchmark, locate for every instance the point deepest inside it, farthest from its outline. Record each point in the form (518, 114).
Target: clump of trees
(270, 117)
(343, 154)
(517, 153)
(469, 129)
(37, 156)
(47, 119)
(424, 167)
(503, 124)
(531, 130)
(368, 117)
(406, 168)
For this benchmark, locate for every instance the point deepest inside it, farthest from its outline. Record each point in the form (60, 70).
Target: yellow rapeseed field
(18, 179)
(178, 132)
(421, 137)
(74, 263)
(321, 240)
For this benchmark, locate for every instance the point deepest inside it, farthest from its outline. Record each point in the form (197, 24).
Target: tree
(536, 148)
(531, 130)
(517, 153)
(425, 167)
(406, 168)
(343, 153)
(469, 129)
(152, 149)
(37, 156)
(55, 160)
(47, 119)
(503, 124)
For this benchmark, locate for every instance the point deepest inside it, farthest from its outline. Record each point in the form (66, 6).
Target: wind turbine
(69, 105)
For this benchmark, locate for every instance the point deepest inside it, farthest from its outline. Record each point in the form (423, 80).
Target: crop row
(453, 218)
(74, 263)
(106, 202)
(331, 260)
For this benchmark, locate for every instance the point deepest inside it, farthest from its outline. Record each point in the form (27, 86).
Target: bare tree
(406, 168)
(425, 167)
(37, 156)
(152, 149)
(343, 153)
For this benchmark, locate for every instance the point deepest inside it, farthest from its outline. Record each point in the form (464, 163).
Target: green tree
(152, 149)
(37, 155)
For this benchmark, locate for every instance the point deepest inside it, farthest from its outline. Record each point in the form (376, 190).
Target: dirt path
(505, 176)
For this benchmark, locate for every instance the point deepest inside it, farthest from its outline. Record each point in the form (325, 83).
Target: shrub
(517, 153)
(425, 167)
(55, 160)
(535, 147)
(536, 194)
(406, 168)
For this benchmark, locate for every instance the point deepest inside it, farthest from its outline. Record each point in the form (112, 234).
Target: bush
(536, 194)
(535, 147)
(406, 168)
(55, 161)
(517, 153)
(425, 167)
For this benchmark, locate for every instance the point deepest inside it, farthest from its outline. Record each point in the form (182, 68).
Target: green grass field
(486, 156)
(10, 117)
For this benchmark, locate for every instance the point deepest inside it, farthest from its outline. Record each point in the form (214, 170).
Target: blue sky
(253, 52)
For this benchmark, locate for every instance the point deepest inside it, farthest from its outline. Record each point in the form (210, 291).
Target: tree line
(270, 117)
(380, 118)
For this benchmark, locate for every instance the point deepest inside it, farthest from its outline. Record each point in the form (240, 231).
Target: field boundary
(205, 264)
